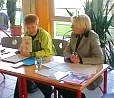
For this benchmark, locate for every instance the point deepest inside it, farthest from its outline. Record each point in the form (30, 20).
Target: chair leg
(57, 94)
(3, 76)
(3, 79)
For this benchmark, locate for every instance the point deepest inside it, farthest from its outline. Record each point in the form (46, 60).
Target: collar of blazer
(83, 34)
(83, 40)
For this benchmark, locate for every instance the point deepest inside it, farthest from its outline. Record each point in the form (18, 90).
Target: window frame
(61, 19)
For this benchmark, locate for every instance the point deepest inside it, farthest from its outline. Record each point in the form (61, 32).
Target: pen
(2, 50)
(5, 53)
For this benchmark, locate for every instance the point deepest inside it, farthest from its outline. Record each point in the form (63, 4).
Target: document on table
(15, 58)
(54, 74)
(51, 64)
(66, 76)
(62, 69)
(77, 68)
(76, 79)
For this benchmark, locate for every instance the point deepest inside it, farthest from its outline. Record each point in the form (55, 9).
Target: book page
(26, 44)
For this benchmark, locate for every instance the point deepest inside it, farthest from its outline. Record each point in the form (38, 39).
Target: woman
(84, 47)
(84, 43)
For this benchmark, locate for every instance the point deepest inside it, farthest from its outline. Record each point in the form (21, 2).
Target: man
(42, 46)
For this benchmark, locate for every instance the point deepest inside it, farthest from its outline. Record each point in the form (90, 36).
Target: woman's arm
(97, 53)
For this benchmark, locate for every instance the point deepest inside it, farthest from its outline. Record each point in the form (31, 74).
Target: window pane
(19, 15)
(62, 21)
(19, 4)
(62, 29)
(19, 18)
(74, 6)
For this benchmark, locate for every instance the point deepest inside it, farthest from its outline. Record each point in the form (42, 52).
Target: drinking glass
(38, 63)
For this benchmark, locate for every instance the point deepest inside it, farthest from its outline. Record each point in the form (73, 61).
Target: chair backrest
(11, 42)
(3, 21)
(59, 46)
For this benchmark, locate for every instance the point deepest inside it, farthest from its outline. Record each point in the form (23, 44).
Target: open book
(76, 79)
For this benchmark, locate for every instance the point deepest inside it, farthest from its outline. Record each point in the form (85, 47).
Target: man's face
(32, 28)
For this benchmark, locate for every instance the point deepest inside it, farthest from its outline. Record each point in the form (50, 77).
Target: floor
(7, 88)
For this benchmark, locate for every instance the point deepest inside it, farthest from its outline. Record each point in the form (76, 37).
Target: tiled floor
(7, 88)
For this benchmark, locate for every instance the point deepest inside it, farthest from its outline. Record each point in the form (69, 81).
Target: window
(62, 24)
(19, 16)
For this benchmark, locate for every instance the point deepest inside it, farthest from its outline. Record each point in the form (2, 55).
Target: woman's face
(32, 28)
(76, 29)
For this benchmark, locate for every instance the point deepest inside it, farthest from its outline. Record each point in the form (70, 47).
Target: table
(24, 73)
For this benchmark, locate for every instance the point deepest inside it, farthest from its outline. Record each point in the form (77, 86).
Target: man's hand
(23, 52)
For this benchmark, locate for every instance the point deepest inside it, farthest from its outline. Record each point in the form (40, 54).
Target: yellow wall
(43, 10)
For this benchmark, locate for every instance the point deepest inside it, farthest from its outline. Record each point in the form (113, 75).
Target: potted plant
(11, 11)
(100, 24)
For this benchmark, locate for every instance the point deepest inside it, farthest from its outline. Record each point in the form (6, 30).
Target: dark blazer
(89, 48)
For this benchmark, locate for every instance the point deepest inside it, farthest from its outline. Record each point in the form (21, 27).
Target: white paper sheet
(77, 68)
(54, 74)
(51, 64)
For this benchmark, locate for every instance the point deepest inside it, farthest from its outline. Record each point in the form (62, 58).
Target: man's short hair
(31, 18)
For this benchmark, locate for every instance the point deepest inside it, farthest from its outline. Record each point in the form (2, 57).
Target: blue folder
(29, 61)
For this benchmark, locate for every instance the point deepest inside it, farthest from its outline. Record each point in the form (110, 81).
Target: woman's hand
(75, 58)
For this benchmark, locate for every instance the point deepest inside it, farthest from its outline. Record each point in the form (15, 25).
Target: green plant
(11, 11)
(109, 53)
(1, 3)
(101, 21)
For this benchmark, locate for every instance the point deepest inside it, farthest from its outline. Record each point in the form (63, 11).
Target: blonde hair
(83, 21)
